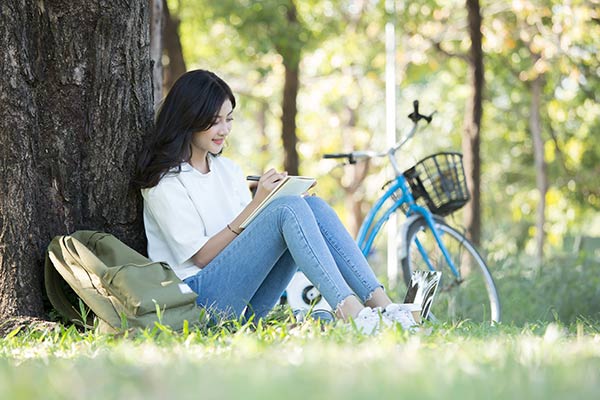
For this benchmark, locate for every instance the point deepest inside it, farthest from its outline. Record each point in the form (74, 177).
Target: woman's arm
(268, 181)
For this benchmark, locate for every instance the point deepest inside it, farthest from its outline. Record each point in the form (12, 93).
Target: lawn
(284, 361)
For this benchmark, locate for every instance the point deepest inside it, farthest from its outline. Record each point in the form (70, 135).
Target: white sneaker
(369, 320)
(402, 314)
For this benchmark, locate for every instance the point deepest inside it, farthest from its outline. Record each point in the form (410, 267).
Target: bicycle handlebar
(415, 116)
(354, 156)
(337, 155)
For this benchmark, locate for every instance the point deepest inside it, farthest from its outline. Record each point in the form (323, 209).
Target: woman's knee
(318, 205)
(289, 202)
(290, 206)
(316, 200)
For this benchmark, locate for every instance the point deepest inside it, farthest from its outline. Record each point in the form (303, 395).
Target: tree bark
(291, 62)
(355, 176)
(288, 118)
(541, 173)
(156, 47)
(473, 116)
(172, 46)
(75, 99)
(354, 201)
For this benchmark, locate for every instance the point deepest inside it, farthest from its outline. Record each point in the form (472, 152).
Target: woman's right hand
(267, 182)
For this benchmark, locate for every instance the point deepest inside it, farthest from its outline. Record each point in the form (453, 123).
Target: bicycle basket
(438, 182)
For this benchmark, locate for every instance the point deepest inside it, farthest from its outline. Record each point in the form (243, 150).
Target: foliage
(281, 359)
(554, 41)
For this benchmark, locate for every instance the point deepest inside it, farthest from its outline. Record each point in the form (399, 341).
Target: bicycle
(432, 189)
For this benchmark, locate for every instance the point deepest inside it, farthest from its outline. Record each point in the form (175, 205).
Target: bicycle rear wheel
(470, 296)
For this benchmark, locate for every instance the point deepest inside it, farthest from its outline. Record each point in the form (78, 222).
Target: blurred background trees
(520, 99)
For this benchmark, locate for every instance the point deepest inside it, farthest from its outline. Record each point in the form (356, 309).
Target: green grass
(281, 361)
(564, 289)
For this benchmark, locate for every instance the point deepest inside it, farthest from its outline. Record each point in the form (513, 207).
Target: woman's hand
(267, 182)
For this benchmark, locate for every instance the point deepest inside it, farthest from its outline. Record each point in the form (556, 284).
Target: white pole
(390, 131)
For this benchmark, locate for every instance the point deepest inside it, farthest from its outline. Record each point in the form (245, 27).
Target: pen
(253, 177)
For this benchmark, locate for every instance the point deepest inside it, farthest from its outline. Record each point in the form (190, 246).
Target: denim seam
(327, 235)
(312, 253)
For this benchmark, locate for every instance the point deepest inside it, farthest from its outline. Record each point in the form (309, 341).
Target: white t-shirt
(186, 209)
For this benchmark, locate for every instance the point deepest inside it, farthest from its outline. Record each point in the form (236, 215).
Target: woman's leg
(230, 282)
(348, 257)
(353, 265)
(270, 290)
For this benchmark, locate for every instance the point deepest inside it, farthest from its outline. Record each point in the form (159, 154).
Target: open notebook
(290, 185)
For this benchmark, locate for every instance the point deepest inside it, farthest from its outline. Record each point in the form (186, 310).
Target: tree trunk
(354, 201)
(473, 115)
(75, 99)
(288, 117)
(156, 47)
(355, 176)
(541, 174)
(291, 63)
(172, 46)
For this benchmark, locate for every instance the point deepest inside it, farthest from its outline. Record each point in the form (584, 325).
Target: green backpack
(120, 286)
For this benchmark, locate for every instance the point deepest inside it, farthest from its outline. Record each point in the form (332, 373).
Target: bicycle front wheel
(470, 295)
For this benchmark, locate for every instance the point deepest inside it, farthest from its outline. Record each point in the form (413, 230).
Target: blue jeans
(293, 232)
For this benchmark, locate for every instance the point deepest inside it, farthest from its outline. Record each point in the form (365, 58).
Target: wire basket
(438, 182)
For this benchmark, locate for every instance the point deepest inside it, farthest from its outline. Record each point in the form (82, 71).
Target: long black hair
(192, 105)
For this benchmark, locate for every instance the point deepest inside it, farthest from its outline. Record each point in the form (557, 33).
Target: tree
(442, 27)
(75, 99)
(157, 22)
(472, 129)
(542, 59)
(282, 28)
(352, 72)
(274, 26)
(172, 48)
(530, 72)
(291, 53)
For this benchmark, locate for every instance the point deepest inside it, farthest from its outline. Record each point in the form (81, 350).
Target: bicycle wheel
(470, 296)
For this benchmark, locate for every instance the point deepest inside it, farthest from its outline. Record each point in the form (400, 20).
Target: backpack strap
(56, 286)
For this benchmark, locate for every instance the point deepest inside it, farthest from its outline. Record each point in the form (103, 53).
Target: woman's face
(213, 139)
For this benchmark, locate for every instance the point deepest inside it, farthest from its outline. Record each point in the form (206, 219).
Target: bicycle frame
(372, 225)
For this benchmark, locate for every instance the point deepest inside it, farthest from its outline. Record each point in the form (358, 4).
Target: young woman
(195, 201)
